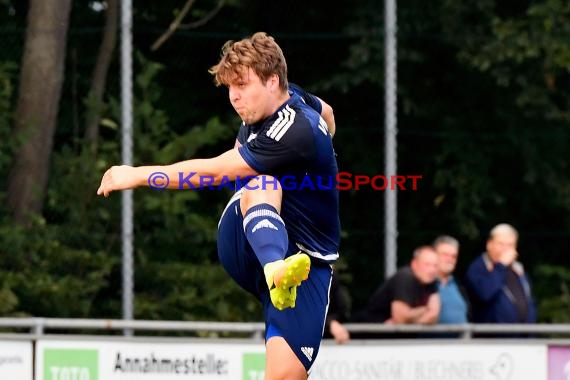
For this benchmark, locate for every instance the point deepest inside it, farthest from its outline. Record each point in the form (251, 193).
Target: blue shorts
(302, 326)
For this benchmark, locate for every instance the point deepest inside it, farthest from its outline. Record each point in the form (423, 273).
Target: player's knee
(261, 189)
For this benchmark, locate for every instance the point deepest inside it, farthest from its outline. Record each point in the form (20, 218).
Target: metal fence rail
(465, 331)
(41, 326)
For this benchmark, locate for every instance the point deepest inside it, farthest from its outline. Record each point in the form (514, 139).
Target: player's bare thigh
(281, 363)
(261, 189)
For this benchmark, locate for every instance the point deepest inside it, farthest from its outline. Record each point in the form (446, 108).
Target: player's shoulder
(293, 119)
(298, 103)
(309, 99)
(306, 115)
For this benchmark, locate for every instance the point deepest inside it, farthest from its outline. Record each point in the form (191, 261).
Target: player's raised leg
(266, 233)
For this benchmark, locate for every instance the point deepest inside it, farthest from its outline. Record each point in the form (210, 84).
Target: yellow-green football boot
(284, 276)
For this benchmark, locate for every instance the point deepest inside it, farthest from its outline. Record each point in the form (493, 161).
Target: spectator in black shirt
(410, 296)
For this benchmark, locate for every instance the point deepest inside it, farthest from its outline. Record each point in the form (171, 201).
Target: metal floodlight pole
(127, 158)
(390, 134)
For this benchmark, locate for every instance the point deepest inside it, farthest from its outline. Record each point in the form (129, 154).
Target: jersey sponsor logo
(251, 137)
(308, 351)
(285, 119)
(265, 223)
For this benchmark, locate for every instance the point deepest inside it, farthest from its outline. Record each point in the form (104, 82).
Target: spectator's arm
(431, 315)
(486, 284)
(339, 332)
(404, 313)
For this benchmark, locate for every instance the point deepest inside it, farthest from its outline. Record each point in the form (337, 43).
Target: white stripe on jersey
(276, 123)
(282, 124)
(323, 126)
(318, 255)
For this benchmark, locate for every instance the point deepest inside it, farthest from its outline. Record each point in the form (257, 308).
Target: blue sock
(266, 233)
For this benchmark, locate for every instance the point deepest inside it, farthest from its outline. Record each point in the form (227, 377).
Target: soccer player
(277, 244)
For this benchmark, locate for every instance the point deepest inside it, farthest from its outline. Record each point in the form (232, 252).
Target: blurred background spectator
(498, 286)
(409, 296)
(454, 300)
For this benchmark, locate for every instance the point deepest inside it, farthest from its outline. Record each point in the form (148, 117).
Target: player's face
(250, 97)
(447, 255)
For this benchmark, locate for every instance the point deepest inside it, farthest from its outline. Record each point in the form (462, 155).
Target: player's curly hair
(259, 52)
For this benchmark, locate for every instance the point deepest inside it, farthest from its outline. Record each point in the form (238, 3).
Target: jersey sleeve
(283, 146)
(309, 99)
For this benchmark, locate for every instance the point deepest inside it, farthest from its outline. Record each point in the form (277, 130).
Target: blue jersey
(295, 146)
(310, 99)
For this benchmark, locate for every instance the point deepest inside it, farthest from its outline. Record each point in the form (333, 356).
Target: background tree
(39, 93)
(99, 78)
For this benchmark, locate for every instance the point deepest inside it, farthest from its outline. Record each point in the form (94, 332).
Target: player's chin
(249, 118)
(241, 114)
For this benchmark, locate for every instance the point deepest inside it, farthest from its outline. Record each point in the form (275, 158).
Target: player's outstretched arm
(227, 166)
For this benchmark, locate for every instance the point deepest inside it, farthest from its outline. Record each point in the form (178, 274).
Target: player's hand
(508, 257)
(117, 178)
(339, 332)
